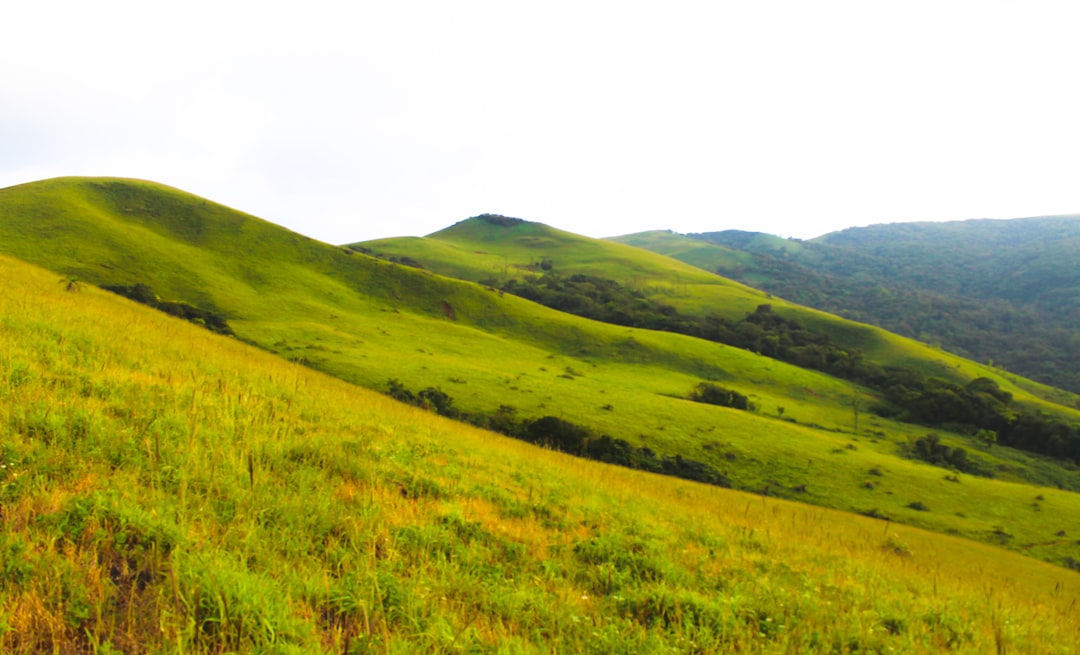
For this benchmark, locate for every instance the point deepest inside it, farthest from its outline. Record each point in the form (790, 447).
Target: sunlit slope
(368, 321)
(497, 248)
(107, 231)
(165, 489)
(479, 248)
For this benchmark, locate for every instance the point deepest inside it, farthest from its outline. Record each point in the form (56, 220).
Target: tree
(712, 394)
(987, 437)
(856, 405)
(557, 434)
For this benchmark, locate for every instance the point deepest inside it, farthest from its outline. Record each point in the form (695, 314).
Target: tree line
(979, 407)
(918, 297)
(559, 434)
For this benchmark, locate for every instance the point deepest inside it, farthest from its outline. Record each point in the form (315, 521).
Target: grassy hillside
(494, 248)
(165, 489)
(850, 282)
(367, 321)
(1001, 290)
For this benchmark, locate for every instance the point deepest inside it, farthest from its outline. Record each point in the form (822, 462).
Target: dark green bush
(713, 394)
(142, 293)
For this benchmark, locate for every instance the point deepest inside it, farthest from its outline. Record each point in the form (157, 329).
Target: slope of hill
(165, 489)
(492, 249)
(498, 248)
(497, 356)
(1001, 290)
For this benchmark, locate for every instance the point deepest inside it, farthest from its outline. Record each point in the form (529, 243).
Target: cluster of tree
(714, 394)
(932, 401)
(930, 449)
(762, 331)
(500, 220)
(979, 407)
(142, 293)
(404, 260)
(596, 298)
(562, 435)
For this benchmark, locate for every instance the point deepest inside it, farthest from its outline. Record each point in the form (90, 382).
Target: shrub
(713, 394)
(438, 401)
(930, 449)
(143, 294)
(557, 434)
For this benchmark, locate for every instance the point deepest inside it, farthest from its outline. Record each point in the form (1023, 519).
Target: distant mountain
(1006, 291)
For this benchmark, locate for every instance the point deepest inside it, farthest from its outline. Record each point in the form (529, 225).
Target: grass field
(164, 489)
(367, 321)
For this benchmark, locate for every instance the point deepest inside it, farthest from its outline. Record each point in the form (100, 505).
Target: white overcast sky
(349, 121)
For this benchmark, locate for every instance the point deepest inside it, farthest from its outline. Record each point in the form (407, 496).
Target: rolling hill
(167, 489)
(1000, 290)
(496, 358)
(493, 249)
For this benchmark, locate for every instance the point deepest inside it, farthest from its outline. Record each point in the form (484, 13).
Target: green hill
(166, 489)
(1001, 290)
(474, 353)
(493, 249)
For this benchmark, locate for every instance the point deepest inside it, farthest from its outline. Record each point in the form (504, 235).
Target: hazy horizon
(354, 121)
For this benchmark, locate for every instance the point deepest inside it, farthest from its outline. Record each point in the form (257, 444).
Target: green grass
(165, 489)
(367, 321)
(476, 250)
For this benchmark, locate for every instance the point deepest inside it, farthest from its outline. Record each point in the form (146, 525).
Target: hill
(501, 361)
(167, 489)
(493, 249)
(1000, 290)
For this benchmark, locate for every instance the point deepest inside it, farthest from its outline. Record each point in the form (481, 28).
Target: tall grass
(167, 490)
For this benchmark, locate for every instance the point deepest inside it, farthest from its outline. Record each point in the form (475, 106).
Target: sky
(349, 121)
